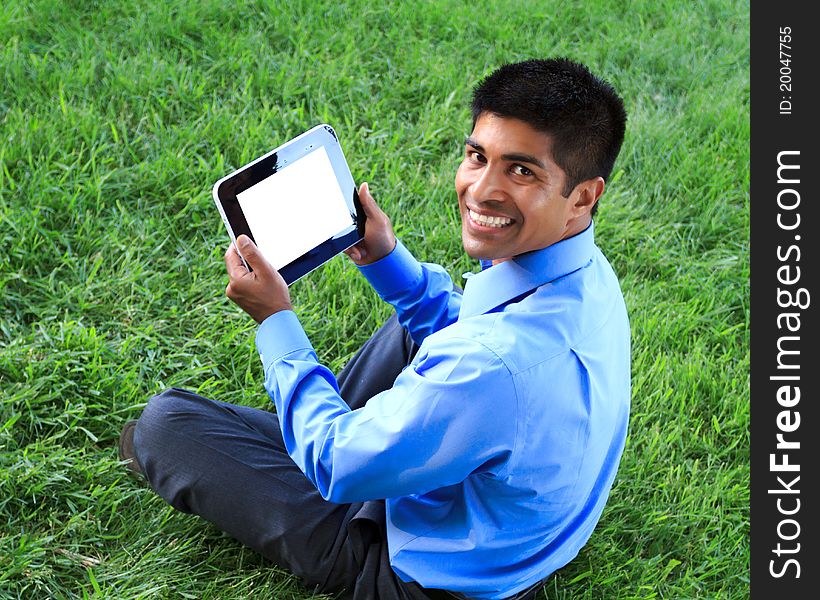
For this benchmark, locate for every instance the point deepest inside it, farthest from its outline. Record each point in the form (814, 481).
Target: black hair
(582, 113)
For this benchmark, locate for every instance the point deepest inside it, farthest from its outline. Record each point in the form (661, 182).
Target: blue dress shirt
(496, 448)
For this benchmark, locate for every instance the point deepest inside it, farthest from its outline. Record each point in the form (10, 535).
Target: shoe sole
(126, 448)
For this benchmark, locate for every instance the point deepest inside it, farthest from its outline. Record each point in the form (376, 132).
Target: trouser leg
(228, 464)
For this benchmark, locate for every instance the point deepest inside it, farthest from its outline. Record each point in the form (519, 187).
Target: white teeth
(489, 221)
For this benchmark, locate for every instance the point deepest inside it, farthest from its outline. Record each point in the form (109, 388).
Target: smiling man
(468, 449)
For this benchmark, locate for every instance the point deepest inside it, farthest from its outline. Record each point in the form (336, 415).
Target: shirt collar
(499, 284)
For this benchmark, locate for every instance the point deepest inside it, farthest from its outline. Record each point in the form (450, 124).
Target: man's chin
(477, 250)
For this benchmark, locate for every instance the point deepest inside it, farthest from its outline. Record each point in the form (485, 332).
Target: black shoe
(127, 448)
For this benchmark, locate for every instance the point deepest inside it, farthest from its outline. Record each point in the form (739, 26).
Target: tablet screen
(305, 191)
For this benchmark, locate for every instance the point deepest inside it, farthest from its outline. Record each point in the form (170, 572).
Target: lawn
(116, 118)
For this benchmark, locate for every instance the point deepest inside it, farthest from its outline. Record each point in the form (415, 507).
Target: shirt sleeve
(430, 430)
(422, 293)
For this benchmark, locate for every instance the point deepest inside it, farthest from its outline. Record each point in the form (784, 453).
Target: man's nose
(489, 186)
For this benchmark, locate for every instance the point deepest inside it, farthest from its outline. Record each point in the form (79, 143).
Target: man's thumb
(251, 254)
(368, 203)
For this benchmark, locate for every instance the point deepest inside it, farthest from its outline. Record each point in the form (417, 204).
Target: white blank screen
(295, 209)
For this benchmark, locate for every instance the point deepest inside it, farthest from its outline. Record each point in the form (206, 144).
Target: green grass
(117, 117)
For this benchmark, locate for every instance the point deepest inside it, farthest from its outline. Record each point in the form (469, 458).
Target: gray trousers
(228, 464)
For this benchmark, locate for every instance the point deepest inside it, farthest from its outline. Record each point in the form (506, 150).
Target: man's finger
(354, 252)
(371, 209)
(233, 263)
(252, 256)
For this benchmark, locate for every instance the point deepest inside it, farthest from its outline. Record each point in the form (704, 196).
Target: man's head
(545, 136)
(583, 114)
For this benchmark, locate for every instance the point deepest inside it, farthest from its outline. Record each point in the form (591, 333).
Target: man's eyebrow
(515, 156)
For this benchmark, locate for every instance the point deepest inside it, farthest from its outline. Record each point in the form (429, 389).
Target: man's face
(509, 191)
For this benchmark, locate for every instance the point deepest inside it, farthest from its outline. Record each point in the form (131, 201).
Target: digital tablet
(298, 203)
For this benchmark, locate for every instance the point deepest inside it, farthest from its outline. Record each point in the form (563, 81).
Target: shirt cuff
(280, 334)
(394, 273)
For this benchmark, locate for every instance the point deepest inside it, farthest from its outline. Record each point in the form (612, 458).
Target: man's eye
(476, 156)
(521, 170)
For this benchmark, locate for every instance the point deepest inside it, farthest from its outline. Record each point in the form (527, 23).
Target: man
(484, 465)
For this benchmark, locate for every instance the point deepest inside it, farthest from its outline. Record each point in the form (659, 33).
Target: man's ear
(586, 195)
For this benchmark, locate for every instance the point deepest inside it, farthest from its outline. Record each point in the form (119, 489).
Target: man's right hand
(379, 239)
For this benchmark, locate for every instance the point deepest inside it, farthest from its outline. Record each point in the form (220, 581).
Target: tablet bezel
(225, 193)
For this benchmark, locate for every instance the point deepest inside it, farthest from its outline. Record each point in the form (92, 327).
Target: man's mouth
(488, 221)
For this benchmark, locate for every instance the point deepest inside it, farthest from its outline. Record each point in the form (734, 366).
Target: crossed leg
(228, 464)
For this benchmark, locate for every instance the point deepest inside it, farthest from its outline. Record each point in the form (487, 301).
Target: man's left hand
(261, 292)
